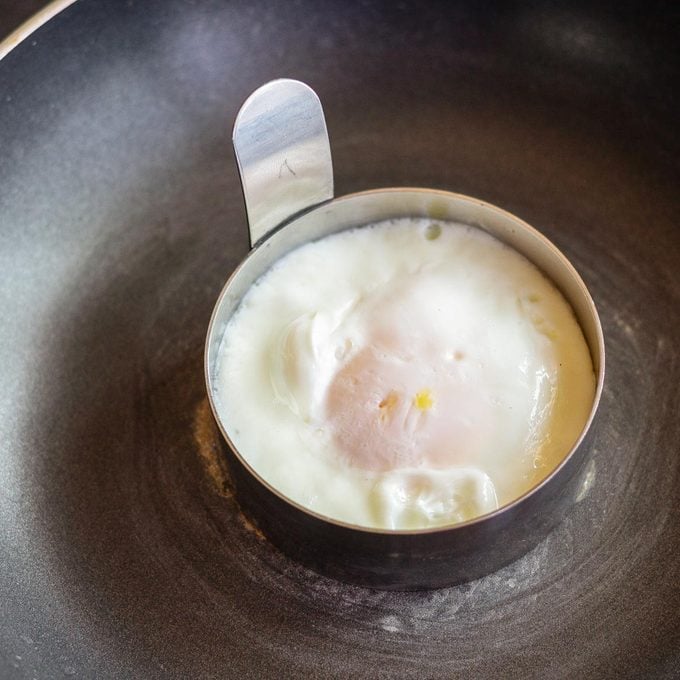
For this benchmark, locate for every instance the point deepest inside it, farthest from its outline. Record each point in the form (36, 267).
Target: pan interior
(123, 552)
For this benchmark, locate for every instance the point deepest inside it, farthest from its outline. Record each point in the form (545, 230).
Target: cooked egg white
(404, 375)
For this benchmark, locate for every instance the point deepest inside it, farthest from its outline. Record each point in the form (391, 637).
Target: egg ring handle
(283, 154)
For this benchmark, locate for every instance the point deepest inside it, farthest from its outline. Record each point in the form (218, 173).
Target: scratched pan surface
(122, 553)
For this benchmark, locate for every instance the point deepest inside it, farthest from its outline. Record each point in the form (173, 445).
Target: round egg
(404, 375)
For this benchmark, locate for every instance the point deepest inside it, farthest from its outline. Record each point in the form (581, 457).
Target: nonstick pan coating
(122, 551)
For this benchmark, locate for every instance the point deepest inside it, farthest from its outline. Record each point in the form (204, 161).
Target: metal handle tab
(283, 154)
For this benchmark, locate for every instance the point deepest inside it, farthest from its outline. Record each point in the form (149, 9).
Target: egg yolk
(382, 418)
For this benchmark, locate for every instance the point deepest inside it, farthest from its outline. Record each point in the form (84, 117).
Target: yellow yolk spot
(423, 400)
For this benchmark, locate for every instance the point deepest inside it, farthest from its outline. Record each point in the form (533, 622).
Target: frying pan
(122, 551)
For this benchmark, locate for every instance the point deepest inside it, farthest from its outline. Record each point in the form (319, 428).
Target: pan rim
(32, 24)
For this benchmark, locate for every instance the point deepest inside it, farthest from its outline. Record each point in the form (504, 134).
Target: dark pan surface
(122, 554)
(15, 12)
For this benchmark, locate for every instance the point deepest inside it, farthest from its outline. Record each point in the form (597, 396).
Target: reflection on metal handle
(283, 154)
